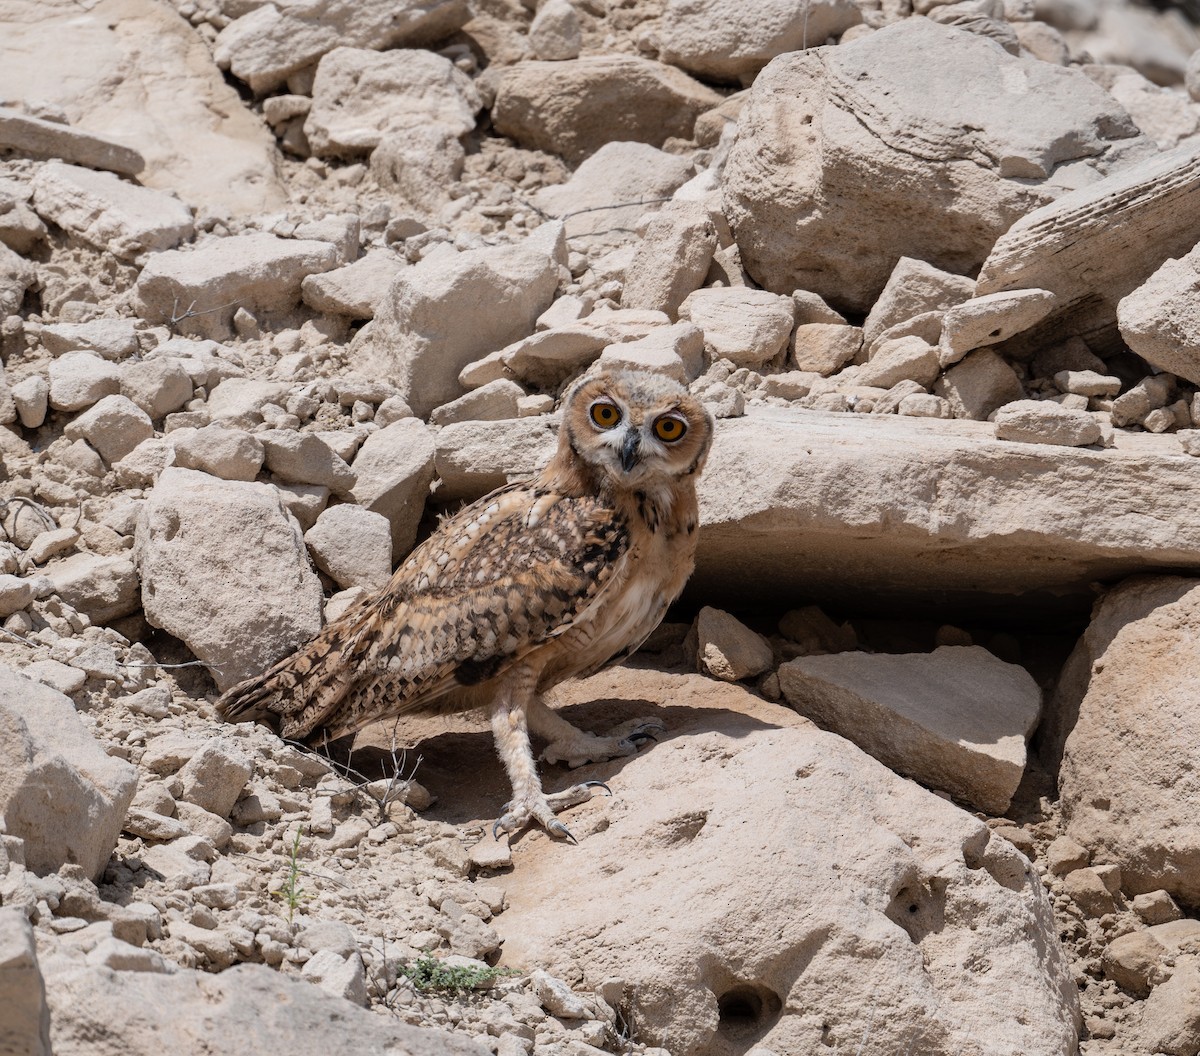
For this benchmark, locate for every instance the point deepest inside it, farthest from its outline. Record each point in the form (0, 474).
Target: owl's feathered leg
(514, 699)
(573, 746)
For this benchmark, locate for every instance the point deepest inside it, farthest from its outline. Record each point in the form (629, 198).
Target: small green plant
(292, 894)
(431, 975)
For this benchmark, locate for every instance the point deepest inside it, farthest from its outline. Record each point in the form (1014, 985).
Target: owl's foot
(578, 748)
(542, 808)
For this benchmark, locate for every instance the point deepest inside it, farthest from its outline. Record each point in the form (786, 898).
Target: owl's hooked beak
(631, 448)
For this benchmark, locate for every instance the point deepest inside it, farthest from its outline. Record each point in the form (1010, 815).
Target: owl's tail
(297, 694)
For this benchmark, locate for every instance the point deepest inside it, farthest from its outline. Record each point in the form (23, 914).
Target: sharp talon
(496, 830)
(642, 735)
(557, 828)
(597, 784)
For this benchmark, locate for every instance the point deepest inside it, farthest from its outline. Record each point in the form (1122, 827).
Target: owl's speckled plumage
(540, 581)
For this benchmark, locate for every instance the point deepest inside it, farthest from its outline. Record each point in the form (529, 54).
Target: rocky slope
(279, 284)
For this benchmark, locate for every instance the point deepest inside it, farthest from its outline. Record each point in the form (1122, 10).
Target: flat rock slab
(820, 506)
(955, 719)
(893, 897)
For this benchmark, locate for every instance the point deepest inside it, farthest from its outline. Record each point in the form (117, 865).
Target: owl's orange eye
(669, 429)
(606, 415)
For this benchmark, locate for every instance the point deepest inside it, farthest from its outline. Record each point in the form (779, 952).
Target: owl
(540, 581)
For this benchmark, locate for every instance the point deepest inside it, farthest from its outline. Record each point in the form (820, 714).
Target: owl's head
(638, 429)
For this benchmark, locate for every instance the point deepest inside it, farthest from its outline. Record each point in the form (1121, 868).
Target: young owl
(540, 581)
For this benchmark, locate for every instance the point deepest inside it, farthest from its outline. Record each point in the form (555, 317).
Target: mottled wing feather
(500, 578)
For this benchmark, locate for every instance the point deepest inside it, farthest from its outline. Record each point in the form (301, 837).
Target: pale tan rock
(257, 272)
(1163, 114)
(355, 290)
(618, 172)
(104, 588)
(114, 426)
(1133, 961)
(955, 719)
(573, 108)
(235, 399)
(1065, 855)
(1159, 320)
(1171, 1015)
(672, 258)
(811, 308)
(490, 402)
(31, 397)
(474, 458)
(555, 33)
(1124, 784)
(1087, 383)
(452, 308)
(1156, 907)
(724, 40)
(979, 384)
(890, 861)
(304, 458)
(224, 569)
(109, 213)
(360, 95)
(905, 359)
(726, 648)
(214, 777)
(990, 319)
(1087, 889)
(393, 470)
(59, 791)
(36, 138)
(1097, 244)
(266, 45)
(1045, 422)
(352, 546)
(79, 379)
(112, 339)
(914, 289)
(158, 386)
(420, 165)
(676, 351)
(220, 450)
(817, 193)
(1149, 394)
(22, 989)
(824, 348)
(747, 327)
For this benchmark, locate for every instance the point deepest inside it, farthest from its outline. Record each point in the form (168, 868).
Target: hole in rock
(746, 1011)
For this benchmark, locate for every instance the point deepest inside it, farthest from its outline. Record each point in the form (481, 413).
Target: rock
(1171, 1015)
(914, 289)
(905, 359)
(925, 716)
(1096, 245)
(22, 989)
(747, 327)
(243, 399)
(50, 139)
(224, 569)
(15, 594)
(256, 272)
(726, 648)
(264, 46)
(420, 165)
(103, 588)
(474, 458)
(676, 351)
(99, 1012)
(1156, 907)
(114, 426)
(556, 997)
(393, 470)
(352, 546)
(214, 777)
(1086, 888)
(817, 185)
(112, 339)
(924, 880)
(360, 95)
(979, 385)
(723, 40)
(304, 458)
(221, 451)
(16, 276)
(146, 81)
(555, 33)
(59, 791)
(1158, 320)
(1132, 962)
(1123, 782)
(109, 213)
(573, 108)
(1087, 383)
(31, 397)
(1064, 855)
(343, 977)
(490, 402)
(80, 379)
(452, 308)
(1044, 422)
(157, 386)
(989, 320)
(355, 290)
(671, 259)
(824, 348)
(616, 173)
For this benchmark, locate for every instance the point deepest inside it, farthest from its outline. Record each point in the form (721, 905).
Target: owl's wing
(498, 579)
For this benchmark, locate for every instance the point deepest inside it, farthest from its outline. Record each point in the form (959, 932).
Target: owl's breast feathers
(505, 576)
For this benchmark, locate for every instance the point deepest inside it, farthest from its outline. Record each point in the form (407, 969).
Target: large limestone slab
(893, 900)
(1097, 244)
(59, 790)
(797, 503)
(136, 72)
(99, 1012)
(1129, 781)
(849, 158)
(956, 719)
(22, 989)
(224, 569)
